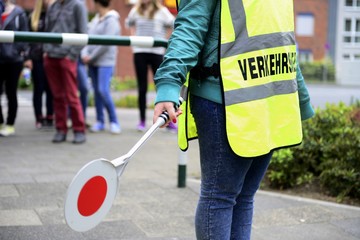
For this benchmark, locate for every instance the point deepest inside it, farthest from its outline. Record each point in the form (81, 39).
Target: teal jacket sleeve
(306, 109)
(185, 44)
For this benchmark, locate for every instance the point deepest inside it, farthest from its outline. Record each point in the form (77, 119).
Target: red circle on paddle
(92, 196)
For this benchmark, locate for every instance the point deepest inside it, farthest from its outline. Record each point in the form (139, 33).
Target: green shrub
(129, 101)
(280, 172)
(127, 83)
(330, 152)
(287, 171)
(91, 99)
(24, 84)
(318, 71)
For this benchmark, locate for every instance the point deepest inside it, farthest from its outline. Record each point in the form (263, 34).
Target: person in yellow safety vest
(245, 96)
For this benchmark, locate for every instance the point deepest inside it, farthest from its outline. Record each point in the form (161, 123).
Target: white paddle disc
(90, 195)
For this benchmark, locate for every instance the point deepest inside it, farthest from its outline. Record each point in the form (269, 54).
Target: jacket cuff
(166, 93)
(307, 111)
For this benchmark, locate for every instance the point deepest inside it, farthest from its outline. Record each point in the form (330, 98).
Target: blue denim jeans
(228, 182)
(101, 79)
(83, 85)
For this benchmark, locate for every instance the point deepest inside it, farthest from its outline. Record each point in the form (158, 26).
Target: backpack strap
(17, 22)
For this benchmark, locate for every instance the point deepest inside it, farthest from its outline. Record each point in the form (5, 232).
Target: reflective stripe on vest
(258, 64)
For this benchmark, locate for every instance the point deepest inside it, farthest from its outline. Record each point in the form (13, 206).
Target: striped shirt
(156, 27)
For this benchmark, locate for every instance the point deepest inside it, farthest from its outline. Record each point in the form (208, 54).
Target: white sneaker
(7, 131)
(115, 128)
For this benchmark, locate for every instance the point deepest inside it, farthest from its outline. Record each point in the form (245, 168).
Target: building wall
(124, 66)
(348, 45)
(26, 4)
(332, 29)
(317, 42)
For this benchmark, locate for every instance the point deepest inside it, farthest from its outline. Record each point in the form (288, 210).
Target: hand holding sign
(93, 189)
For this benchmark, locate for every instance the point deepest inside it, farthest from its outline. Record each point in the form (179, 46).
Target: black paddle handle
(165, 115)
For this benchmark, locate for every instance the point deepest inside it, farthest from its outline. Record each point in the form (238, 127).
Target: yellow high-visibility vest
(258, 74)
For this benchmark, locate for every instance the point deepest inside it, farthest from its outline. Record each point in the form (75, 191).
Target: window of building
(305, 24)
(347, 39)
(357, 30)
(346, 56)
(347, 27)
(351, 33)
(352, 3)
(351, 57)
(305, 55)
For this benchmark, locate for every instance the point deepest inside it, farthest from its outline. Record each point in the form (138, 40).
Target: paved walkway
(35, 174)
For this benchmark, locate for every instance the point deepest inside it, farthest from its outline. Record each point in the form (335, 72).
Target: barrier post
(182, 169)
(80, 39)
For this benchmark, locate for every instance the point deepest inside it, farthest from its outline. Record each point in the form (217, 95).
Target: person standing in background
(83, 84)
(35, 63)
(11, 63)
(60, 62)
(101, 60)
(2, 7)
(148, 18)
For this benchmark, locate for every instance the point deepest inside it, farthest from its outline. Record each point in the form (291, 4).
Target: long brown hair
(142, 9)
(35, 15)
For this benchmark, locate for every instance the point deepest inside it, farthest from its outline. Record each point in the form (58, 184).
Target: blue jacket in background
(2, 7)
(16, 21)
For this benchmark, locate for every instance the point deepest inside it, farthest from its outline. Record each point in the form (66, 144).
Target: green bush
(127, 83)
(317, 71)
(24, 84)
(129, 101)
(286, 171)
(330, 153)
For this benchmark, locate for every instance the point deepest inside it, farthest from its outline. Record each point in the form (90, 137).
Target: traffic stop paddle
(93, 189)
